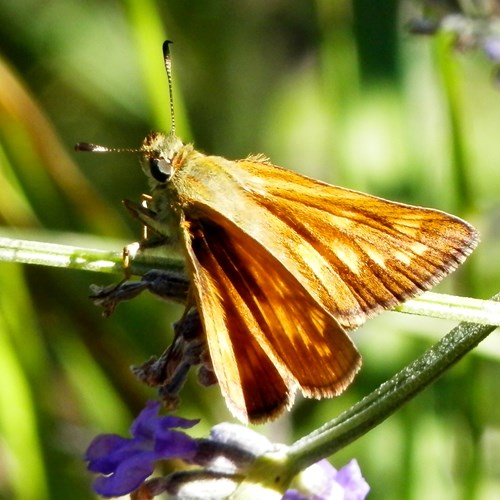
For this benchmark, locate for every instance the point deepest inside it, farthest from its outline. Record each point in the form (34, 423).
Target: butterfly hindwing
(266, 335)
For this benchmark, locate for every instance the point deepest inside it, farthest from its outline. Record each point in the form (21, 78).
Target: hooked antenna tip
(91, 148)
(166, 48)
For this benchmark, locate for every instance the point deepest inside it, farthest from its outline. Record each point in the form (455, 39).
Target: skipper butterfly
(281, 266)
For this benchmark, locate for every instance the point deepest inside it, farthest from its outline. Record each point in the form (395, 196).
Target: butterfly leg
(168, 285)
(151, 237)
(169, 371)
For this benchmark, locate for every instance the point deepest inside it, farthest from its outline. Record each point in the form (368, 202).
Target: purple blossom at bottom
(321, 481)
(125, 465)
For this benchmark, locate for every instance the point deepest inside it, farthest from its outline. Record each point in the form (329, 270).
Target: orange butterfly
(281, 266)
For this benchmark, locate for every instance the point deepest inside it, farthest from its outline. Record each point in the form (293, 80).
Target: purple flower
(224, 459)
(126, 463)
(322, 481)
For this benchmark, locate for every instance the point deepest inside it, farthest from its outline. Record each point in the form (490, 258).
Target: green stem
(97, 260)
(440, 305)
(90, 259)
(85, 259)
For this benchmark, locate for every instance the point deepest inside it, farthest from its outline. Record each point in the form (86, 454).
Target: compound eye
(161, 169)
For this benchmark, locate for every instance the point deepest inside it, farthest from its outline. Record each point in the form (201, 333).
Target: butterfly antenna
(95, 148)
(168, 67)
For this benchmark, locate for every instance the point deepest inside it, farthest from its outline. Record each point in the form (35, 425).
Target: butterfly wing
(267, 336)
(354, 253)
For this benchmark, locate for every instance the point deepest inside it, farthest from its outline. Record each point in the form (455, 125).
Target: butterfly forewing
(267, 336)
(354, 253)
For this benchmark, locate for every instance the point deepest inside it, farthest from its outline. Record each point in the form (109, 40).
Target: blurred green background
(334, 89)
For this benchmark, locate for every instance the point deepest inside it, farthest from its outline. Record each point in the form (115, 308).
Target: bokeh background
(339, 90)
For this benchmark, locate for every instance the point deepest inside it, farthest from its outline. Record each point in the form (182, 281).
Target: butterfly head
(158, 154)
